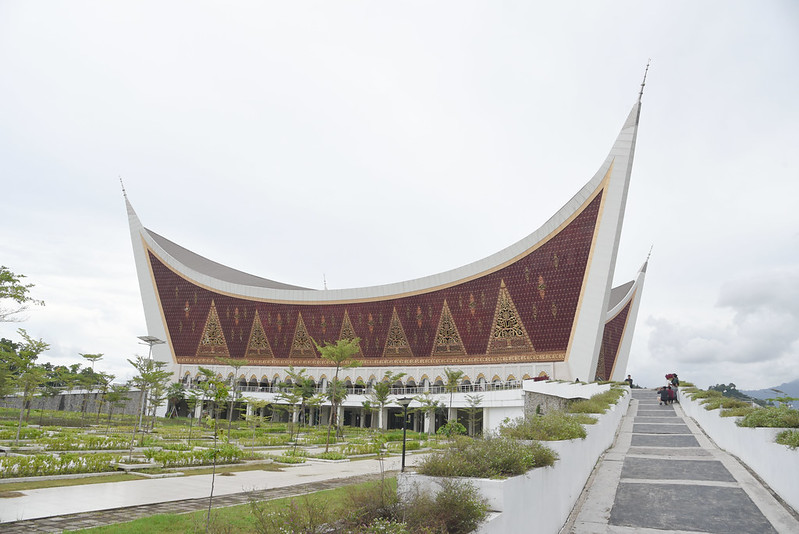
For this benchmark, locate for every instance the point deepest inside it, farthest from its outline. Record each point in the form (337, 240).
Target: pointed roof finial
(650, 252)
(324, 281)
(124, 193)
(643, 83)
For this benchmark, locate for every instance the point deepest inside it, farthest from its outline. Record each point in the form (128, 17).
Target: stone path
(664, 475)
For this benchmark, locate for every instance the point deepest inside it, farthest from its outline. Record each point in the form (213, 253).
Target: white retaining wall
(541, 499)
(776, 464)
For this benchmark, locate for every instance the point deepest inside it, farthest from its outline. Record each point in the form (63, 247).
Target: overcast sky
(373, 142)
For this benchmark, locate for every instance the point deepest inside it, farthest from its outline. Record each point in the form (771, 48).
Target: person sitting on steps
(664, 395)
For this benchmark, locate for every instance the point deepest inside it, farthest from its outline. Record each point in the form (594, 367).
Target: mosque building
(542, 307)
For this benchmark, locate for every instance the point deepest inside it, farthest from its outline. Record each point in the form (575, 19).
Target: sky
(364, 143)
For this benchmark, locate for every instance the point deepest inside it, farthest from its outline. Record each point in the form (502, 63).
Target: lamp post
(404, 402)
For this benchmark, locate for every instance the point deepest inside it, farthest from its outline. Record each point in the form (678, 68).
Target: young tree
(428, 406)
(13, 289)
(474, 402)
(116, 398)
(193, 396)
(22, 369)
(303, 389)
(175, 393)
(340, 355)
(378, 397)
(236, 364)
(151, 376)
(453, 375)
(104, 386)
(92, 358)
(255, 418)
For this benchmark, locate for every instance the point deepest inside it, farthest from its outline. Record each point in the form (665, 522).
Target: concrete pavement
(82, 506)
(664, 475)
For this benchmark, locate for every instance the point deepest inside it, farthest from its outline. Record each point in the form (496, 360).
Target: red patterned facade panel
(544, 287)
(611, 343)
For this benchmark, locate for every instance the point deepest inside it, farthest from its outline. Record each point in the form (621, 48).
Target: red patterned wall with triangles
(611, 342)
(521, 312)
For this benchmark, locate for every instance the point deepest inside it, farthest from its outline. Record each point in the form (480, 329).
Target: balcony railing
(404, 391)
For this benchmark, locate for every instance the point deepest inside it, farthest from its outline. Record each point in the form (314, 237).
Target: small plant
(789, 438)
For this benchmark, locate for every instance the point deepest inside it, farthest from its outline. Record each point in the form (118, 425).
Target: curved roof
(231, 281)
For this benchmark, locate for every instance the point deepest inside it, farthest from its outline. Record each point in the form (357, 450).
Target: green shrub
(24, 433)
(555, 425)
(772, 417)
(358, 449)
(283, 459)
(789, 438)
(225, 454)
(75, 442)
(452, 428)
(330, 455)
(410, 445)
(491, 457)
(598, 403)
(457, 508)
(737, 412)
(63, 464)
(702, 394)
(714, 403)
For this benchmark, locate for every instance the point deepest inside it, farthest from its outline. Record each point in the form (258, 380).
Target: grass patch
(233, 518)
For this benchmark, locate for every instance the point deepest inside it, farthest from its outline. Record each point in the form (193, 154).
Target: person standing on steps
(629, 381)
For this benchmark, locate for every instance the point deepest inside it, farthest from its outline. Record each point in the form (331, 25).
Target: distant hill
(789, 389)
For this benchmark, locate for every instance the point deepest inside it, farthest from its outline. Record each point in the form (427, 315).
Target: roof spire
(124, 193)
(650, 252)
(643, 83)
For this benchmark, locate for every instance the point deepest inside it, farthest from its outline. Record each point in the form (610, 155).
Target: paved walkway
(664, 475)
(77, 507)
